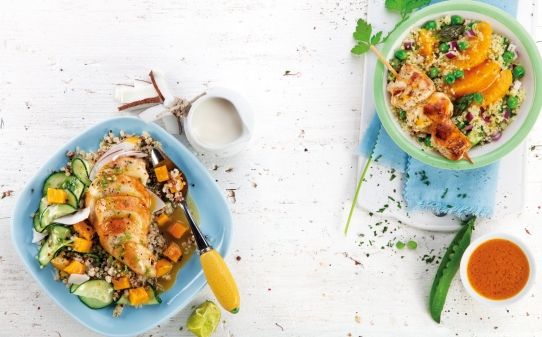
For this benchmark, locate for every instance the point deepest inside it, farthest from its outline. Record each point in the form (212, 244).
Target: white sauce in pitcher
(216, 122)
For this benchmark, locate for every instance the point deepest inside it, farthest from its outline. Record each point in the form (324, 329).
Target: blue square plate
(215, 221)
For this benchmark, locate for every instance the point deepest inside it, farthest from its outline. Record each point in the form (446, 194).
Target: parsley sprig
(364, 31)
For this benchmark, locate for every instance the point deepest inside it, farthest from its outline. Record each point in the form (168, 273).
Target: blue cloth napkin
(429, 188)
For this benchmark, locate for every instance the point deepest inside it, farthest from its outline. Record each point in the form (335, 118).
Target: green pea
(462, 45)
(457, 20)
(444, 47)
(430, 25)
(400, 244)
(412, 244)
(401, 54)
(512, 102)
(449, 78)
(508, 56)
(402, 115)
(478, 97)
(395, 63)
(458, 73)
(433, 72)
(518, 71)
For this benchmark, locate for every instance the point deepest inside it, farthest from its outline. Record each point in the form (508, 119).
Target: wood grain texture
(298, 276)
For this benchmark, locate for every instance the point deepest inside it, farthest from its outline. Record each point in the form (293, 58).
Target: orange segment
(478, 49)
(499, 88)
(121, 283)
(477, 79)
(426, 42)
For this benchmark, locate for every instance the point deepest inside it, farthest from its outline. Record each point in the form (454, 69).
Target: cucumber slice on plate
(61, 180)
(37, 215)
(81, 170)
(58, 238)
(95, 294)
(53, 212)
(72, 200)
(153, 298)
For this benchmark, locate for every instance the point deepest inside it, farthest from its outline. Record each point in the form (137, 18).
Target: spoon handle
(220, 280)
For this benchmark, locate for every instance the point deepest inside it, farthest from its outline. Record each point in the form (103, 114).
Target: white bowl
(472, 247)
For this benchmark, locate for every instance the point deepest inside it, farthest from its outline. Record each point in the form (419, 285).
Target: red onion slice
(453, 45)
(450, 55)
(78, 278)
(408, 45)
(506, 114)
(496, 136)
(72, 219)
(468, 128)
(470, 33)
(469, 117)
(37, 236)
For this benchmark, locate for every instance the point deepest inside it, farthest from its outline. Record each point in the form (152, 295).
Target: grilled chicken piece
(411, 87)
(449, 140)
(120, 213)
(438, 107)
(122, 224)
(133, 167)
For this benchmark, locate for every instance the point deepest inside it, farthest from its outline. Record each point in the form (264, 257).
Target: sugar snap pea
(448, 268)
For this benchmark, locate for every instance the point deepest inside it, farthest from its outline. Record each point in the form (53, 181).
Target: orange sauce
(164, 283)
(498, 269)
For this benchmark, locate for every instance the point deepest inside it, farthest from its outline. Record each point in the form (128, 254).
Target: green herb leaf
(375, 39)
(448, 268)
(405, 7)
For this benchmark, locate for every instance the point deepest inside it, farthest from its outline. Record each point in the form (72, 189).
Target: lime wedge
(204, 319)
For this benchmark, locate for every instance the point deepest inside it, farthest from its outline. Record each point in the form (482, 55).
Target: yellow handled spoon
(216, 271)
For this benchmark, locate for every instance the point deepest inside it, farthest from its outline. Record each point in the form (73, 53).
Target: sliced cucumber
(53, 212)
(61, 180)
(57, 239)
(81, 170)
(95, 294)
(153, 298)
(54, 180)
(75, 185)
(37, 215)
(73, 287)
(72, 200)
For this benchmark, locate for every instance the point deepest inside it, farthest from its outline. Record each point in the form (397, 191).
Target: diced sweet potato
(477, 79)
(478, 49)
(138, 296)
(121, 283)
(498, 89)
(81, 245)
(60, 262)
(163, 267)
(75, 267)
(162, 219)
(173, 252)
(177, 229)
(84, 230)
(161, 173)
(56, 196)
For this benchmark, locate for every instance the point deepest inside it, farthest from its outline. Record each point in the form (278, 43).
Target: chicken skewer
(430, 111)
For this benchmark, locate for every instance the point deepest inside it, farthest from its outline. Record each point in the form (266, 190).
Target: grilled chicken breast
(120, 213)
(410, 88)
(449, 141)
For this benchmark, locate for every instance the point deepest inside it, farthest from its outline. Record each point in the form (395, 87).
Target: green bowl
(529, 57)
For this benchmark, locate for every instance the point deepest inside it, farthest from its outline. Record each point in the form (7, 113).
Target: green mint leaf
(375, 39)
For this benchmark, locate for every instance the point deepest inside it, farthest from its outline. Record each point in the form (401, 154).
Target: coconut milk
(216, 122)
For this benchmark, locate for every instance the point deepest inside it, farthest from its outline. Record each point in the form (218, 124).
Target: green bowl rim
(393, 128)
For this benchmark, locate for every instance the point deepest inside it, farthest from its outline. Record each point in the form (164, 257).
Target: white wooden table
(59, 61)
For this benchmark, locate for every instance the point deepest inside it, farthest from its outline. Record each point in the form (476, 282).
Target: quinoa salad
(476, 67)
(109, 225)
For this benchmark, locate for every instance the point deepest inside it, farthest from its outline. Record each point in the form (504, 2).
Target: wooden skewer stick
(467, 157)
(384, 61)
